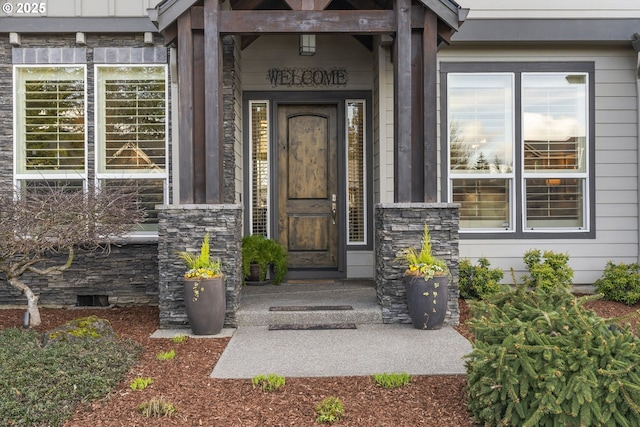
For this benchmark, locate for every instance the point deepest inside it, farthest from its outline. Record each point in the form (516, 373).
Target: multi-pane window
(50, 128)
(131, 105)
(518, 146)
(356, 214)
(259, 137)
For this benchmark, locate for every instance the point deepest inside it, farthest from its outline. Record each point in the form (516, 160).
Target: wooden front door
(307, 178)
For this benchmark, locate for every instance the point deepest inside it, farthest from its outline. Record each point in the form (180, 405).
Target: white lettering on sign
(307, 77)
(32, 8)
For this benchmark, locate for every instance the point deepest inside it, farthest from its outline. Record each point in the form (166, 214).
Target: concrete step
(309, 304)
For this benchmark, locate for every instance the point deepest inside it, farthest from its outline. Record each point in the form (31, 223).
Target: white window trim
(364, 173)
(98, 146)
(250, 163)
(511, 176)
(50, 175)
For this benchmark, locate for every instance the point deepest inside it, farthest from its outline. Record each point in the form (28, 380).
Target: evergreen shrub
(541, 359)
(620, 282)
(479, 281)
(547, 270)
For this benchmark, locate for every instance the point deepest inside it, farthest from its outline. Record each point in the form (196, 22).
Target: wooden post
(430, 135)
(213, 147)
(403, 111)
(185, 109)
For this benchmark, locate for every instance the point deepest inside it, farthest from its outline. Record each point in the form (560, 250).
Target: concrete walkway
(373, 347)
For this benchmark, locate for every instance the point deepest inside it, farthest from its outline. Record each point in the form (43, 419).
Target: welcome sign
(310, 77)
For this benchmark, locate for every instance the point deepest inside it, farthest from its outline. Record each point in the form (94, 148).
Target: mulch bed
(203, 401)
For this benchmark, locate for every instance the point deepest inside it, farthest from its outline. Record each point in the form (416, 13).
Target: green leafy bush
(166, 355)
(620, 282)
(329, 410)
(479, 281)
(268, 382)
(140, 383)
(541, 359)
(43, 385)
(393, 380)
(547, 270)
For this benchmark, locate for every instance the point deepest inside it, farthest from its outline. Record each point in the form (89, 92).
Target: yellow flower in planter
(422, 263)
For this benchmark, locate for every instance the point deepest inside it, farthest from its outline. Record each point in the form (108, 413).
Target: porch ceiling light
(307, 44)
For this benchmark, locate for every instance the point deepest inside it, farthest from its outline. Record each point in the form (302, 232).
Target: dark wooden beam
(417, 122)
(430, 70)
(185, 108)
(213, 108)
(296, 21)
(444, 32)
(199, 147)
(170, 34)
(402, 102)
(245, 41)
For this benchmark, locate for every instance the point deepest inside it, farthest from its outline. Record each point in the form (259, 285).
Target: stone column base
(400, 225)
(182, 227)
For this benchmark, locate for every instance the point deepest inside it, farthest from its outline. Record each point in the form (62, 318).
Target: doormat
(315, 327)
(311, 308)
(311, 282)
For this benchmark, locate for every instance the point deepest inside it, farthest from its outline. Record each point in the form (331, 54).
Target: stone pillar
(400, 225)
(182, 227)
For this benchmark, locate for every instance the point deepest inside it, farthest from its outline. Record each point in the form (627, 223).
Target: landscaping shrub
(541, 359)
(42, 386)
(620, 282)
(479, 281)
(329, 410)
(268, 382)
(547, 270)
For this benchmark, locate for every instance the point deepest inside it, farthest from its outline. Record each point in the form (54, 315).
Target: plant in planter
(204, 291)
(258, 254)
(426, 282)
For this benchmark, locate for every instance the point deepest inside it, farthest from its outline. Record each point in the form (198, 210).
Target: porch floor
(300, 301)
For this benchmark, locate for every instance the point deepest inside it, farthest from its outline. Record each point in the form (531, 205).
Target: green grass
(43, 386)
(392, 380)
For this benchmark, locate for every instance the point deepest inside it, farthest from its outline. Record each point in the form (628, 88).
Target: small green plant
(620, 282)
(201, 266)
(479, 281)
(268, 382)
(423, 263)
(140, 383)
(157, 407)
(166, 355)
(329, 410)
(257, 249)
(179, 339)
(547, 270)
(393, 380)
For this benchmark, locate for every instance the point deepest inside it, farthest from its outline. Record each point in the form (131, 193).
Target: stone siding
(399, 226)
(127, 274)
(182, 228)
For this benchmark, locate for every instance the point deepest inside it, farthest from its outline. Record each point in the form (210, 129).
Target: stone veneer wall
(127, 274)
(182, 227)
(400, 225)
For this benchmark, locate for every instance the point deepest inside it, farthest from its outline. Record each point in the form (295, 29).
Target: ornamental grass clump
(423, 263)
(201, 266)
(541, 359)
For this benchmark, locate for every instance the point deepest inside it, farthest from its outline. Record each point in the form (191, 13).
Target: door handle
(334, 208)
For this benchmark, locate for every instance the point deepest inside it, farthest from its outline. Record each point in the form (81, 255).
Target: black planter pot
(206, 304)
(255, 274)
(427, 300)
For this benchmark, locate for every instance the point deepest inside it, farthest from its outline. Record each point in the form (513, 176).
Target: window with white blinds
(539, 118)
(259, 137)
(356, 214)
(50, 111)
(131, 132)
